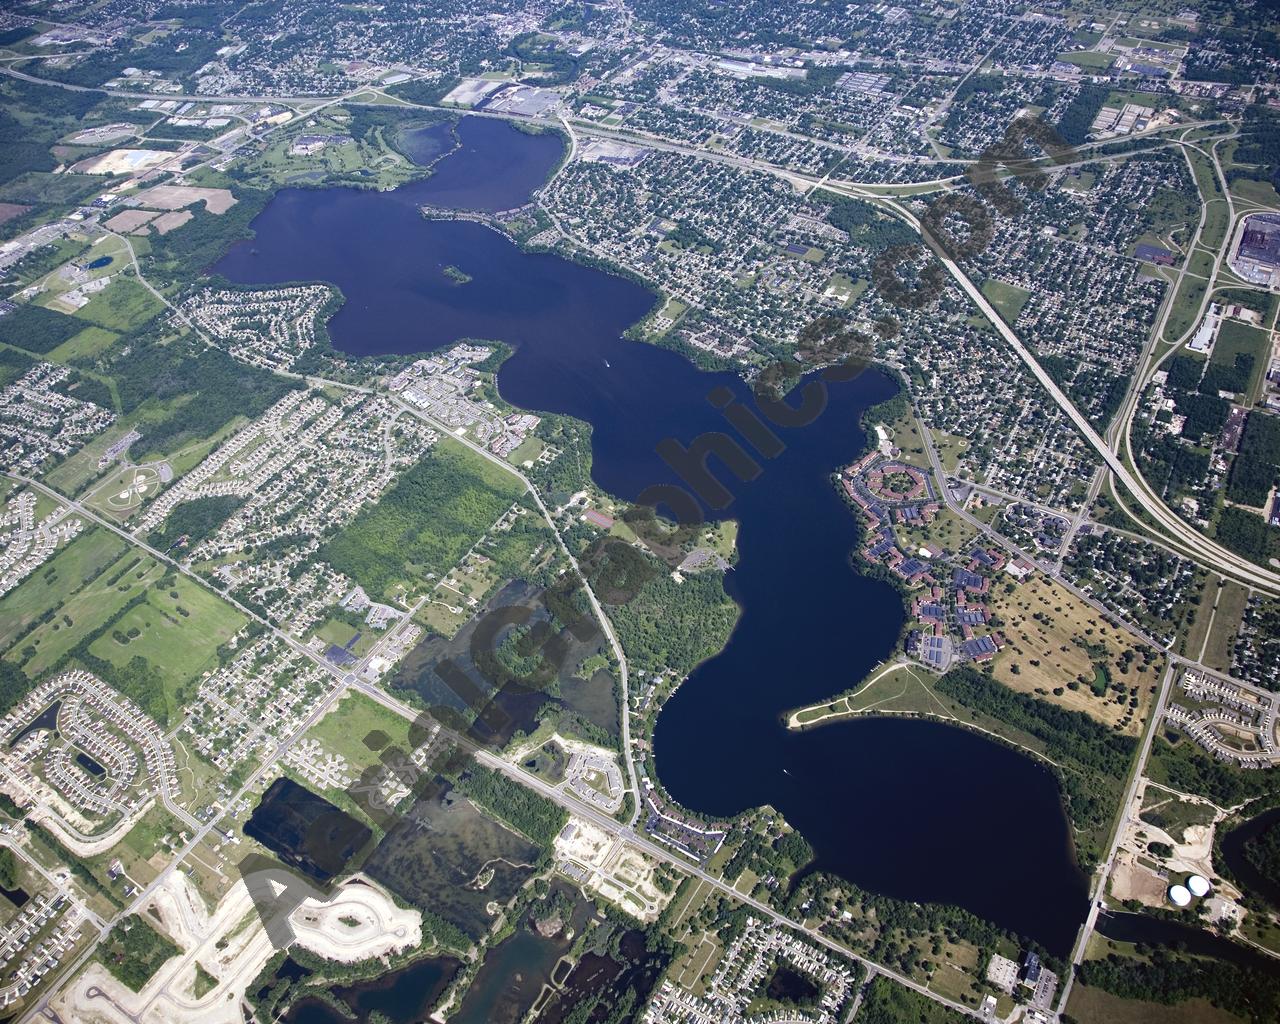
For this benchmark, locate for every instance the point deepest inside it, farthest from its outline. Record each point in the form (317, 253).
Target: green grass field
(1261, 192)
(1186, 306)
(122, 305)
(1087, 59)
(1215, 225)
(84, 612)
(344, 729)
(905, 689)
(177, 635)
(1093, 1004)
(1201, 262)
(845, 289)
(1235, 338)
(81, 469)
(1007, 298)
(47, 586)
(526, 451)
(85, 345)
(1226, 623)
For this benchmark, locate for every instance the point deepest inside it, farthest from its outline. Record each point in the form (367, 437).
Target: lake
(913, 809)
(403, 996)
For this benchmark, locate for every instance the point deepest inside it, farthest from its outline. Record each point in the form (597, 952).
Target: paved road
(1126, 812)
(653, 849)
(1229, 563)
(1209, 552)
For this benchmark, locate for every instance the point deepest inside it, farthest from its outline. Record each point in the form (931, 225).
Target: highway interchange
(1114, 452)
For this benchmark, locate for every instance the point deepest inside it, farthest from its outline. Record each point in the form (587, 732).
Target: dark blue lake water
(912, 809)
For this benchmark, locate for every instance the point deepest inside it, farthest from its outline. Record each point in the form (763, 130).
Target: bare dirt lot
(166, 222)
(130, 220)
(176, 197)
(122, 161)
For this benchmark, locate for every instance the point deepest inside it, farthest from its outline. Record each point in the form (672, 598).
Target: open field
(893, 689)
(178, 632)
(948, 531)
(85, 345)
(85, 611)
(905, 435)
(1215, 227)
(1202, 260)
(356, 718)
(1186, 306)
(1234, 339)
(124, 304)
(1054, 640)
(1261, 192)
(846, 290)
(1171, 813)
(1225, 625)
(702, 954)
(1007, 298)
(49, 585)
(1093, 1004)
(1087, 59)
(951, 449)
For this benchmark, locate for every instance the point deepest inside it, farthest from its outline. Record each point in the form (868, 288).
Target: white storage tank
(1199, 885)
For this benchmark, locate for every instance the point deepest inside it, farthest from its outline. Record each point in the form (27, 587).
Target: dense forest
(13, 364)
(1263, 853)
(1247, 533)
(889, 1003)
(1169, 979)
(1258, 463)
(425, 523)
(1080, 113)
(14, 685)
(676, 626)
(534, 815)
(1184, 766)
(865, 225)
(37, 329)
(1259, 145)
(194, 390)
(133, 951)
(195, 520)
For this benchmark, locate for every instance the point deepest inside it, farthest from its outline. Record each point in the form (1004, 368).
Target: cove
(1233, 854)
(912, 809)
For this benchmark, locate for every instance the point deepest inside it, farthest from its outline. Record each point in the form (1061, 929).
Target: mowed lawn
(84, 612)
(179, 630)
(1007, 298)
(47, 586)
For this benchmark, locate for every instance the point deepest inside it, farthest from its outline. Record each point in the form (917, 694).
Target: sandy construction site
(359, 922)
(605, 864)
